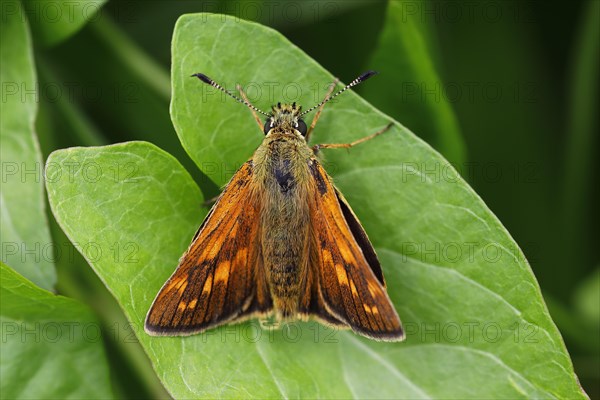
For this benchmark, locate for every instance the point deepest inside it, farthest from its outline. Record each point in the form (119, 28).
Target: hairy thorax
(282, 174)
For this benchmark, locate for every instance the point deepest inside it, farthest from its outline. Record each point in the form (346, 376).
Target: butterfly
(280, 241)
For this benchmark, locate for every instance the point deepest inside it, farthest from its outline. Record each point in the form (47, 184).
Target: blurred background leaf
(51, 345)
(54, 21)
(579, 175)
(410, 89)
(24, 227)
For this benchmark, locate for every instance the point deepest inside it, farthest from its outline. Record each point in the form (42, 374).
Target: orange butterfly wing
(220, 278)
(350, 281)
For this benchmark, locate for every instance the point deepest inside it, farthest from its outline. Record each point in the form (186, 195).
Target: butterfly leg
(318, 147)
(318, 114)
(256, 117)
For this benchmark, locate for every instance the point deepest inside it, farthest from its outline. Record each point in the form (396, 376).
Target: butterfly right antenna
(363, 77)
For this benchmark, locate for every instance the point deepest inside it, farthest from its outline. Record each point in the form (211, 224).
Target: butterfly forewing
(220, 278)
(351, 289)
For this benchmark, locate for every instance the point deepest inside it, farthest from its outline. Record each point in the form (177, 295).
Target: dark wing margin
(349, 287)
(361, 237)
(219, 279)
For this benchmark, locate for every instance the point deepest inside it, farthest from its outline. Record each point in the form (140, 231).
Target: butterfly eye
(301, 127)
(268, 125)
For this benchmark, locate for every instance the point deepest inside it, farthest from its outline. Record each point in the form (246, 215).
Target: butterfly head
(285, 118)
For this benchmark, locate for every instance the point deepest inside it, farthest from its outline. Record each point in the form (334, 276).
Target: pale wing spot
(327, 260)
(375, 310)
(174, 283)
(367, 308)
(341, 274)
(346, 254)
(214, 246)
(182, 305)
(207, 285)
(192, 304)
(182, 287)
(241, 256)
(233, 231)
(222, 272)
(213, 252)
(354, 291)
(373, 289)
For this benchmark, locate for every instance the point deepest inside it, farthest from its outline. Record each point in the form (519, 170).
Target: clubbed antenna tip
(214, 84)
(203, 78)
(367, 75)
(363, 77)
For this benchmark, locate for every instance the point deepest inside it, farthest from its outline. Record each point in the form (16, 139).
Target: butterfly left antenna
(214, 84)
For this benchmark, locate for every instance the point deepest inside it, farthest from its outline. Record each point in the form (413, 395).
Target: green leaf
(26, 243)
(54, 21)
(409, 88)
(51, 345)
(476, 322)
(119, 248)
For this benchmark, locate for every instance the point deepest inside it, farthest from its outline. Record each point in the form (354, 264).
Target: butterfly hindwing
(220, 277)
(350, 280)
